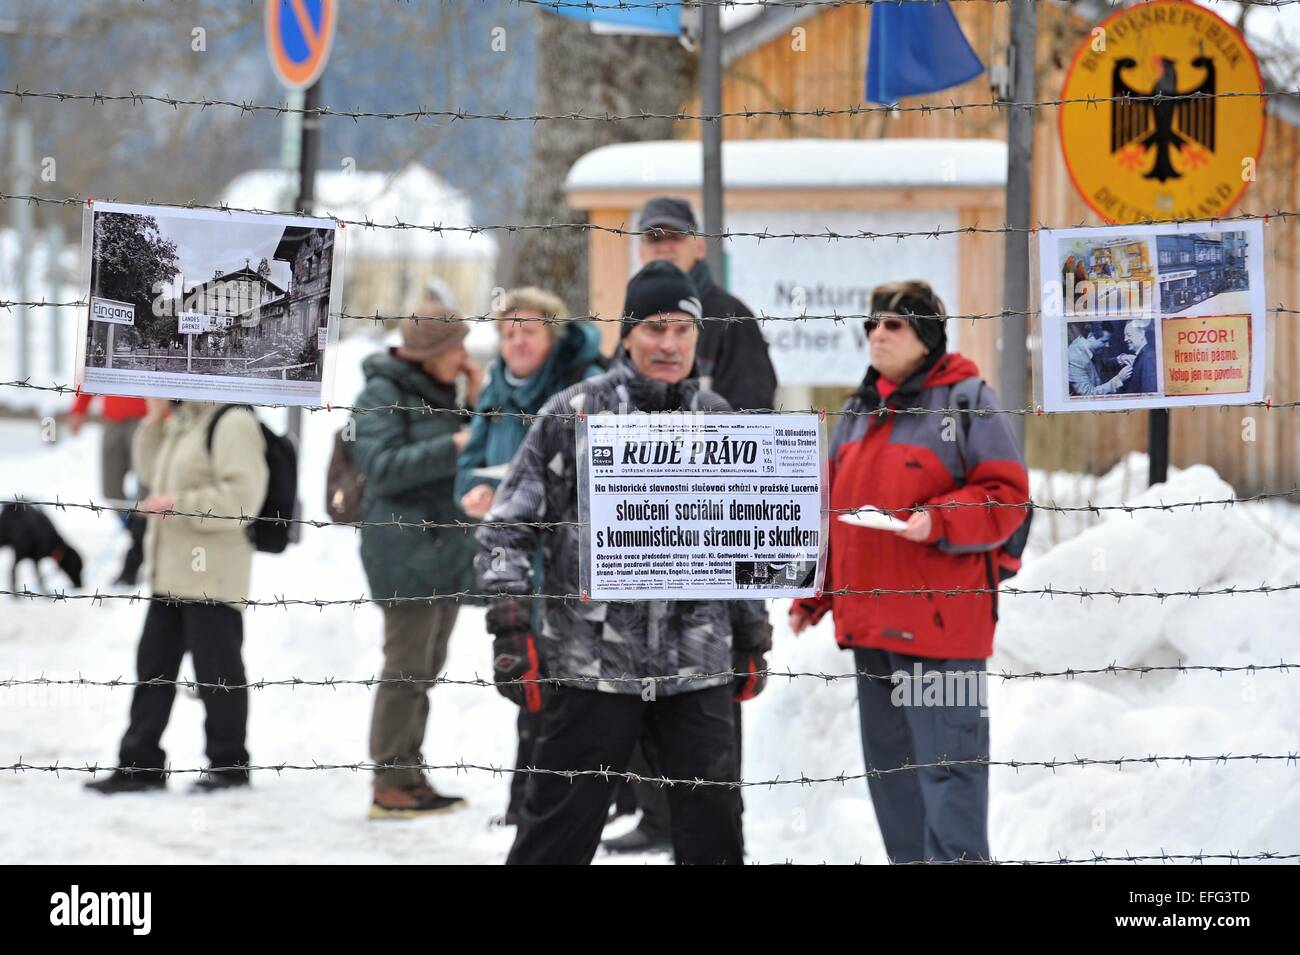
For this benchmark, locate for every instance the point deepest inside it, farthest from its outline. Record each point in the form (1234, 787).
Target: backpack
(579, 372)
(344, 484)
(964, 396)
(271, 533)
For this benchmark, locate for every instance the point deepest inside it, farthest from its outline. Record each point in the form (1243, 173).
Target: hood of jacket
(409, 377)
(939, 370)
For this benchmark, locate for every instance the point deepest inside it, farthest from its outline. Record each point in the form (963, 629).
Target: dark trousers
(529, 726)
(925, 814)
(212, 634)
(693, 737)
(134, 559)
(652, 799)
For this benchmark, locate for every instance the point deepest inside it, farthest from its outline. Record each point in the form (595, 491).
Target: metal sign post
(711, 135)
(299, 36)
(1020, 164)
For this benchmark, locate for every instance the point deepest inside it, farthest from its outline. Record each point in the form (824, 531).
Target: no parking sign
(299, 34)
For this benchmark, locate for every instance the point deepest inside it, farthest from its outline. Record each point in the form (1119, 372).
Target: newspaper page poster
(1152, 316)
(210, 305)
(701, 506)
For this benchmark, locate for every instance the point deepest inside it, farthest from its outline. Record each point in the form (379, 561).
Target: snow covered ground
(800, 726)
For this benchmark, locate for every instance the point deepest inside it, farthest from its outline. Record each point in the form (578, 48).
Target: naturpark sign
(1163, 117)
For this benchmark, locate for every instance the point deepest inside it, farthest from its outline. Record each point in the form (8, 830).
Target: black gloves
(514, 653)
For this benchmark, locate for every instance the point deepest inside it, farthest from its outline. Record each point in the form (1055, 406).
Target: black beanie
(659, 287)
(924, 311)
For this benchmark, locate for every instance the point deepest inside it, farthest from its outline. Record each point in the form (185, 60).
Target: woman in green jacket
(407, 452)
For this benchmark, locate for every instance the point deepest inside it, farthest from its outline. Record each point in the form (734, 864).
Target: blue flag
(641, 15)
(916, 48)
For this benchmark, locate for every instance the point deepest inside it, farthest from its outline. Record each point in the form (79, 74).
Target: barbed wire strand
(1075, 762)
(899, 677)
(838, 317)
(455, 115)
(60, 596)
(469, 413)
(765, 235)
(20, 502)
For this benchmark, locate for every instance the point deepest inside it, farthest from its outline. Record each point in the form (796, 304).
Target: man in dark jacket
(1142, 358)
(731, 358)
(617, 659)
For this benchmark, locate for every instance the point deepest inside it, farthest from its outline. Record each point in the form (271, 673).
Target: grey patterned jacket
(600, 641)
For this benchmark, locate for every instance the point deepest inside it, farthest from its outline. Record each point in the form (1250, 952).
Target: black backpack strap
(579, 372)
(964, 396)
(212, 425)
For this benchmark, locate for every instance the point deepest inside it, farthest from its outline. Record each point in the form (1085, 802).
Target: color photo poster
(217, 306)
(1155, 316)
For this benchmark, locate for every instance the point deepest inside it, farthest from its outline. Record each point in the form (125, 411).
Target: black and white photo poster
(219, 306)
(701, 507)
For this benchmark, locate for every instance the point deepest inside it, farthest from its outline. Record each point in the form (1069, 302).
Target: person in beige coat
(198, 572)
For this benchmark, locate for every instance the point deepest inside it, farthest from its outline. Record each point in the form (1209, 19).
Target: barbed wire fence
(450, 116)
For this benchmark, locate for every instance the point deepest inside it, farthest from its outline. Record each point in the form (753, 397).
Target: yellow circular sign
(1162, 143)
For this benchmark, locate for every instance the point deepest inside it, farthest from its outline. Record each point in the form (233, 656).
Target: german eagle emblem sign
(1147, 130)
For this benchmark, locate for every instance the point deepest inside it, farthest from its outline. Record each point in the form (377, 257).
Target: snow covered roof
(416, 194)
(796, 164)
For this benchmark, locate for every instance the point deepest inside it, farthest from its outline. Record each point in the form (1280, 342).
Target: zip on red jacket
(892, 462)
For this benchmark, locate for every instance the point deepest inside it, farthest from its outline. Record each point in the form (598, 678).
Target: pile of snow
(798, 727)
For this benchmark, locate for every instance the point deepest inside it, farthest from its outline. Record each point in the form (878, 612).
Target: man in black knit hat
(732, 360)
(608, 650)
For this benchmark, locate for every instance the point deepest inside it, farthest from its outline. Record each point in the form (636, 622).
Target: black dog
(32, 536)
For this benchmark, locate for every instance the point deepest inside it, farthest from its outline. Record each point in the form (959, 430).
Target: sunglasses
(891, 324)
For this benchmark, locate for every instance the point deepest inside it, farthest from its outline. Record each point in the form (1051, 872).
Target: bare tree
(398, 56)
(595, 74)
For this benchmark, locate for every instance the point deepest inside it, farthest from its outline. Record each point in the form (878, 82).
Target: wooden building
(806, 58)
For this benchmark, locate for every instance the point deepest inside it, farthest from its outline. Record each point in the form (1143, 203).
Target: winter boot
(411, 802)
(640, 839)
(210, 782)
(120, 782)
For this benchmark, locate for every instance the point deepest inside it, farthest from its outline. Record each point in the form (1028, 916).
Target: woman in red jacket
(120, 417)
(921, 646)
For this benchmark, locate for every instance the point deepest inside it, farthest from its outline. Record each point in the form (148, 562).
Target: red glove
(514, 654)
(750, 679)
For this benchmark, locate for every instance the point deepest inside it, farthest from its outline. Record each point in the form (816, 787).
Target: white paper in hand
(874, 519)
(496, 472)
